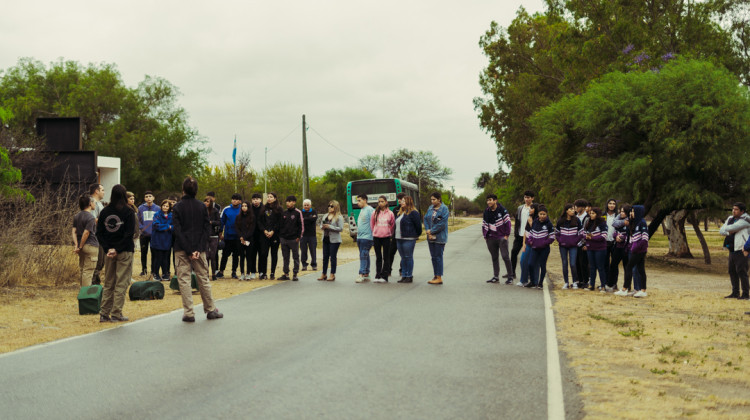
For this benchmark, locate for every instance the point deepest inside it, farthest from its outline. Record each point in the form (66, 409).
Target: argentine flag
(234, 152)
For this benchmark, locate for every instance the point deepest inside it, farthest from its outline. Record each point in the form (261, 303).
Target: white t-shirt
(398, 227)
(524, 219)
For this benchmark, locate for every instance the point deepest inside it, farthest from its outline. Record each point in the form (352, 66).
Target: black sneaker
(284, 277)
(188, 319)
(219, 275)
(273, 276)
(493, 280)
(234, 276)
(143, 273)
(121, 318)
(529, 285)
(744, 296)
(304, 268)
(314, 268)
(213, 278)
(509, 281)
(104, 318)
(732, 296)
(538, 286)
(215, 314)
(262, 277)
(294, 278)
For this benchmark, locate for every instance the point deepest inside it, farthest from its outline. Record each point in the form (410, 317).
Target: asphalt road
(309, 349)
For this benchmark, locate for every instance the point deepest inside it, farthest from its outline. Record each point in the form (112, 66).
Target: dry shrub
(35, 239)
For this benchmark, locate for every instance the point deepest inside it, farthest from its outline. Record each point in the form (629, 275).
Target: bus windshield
(374, 189)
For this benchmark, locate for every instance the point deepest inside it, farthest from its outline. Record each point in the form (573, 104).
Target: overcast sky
(371, 77)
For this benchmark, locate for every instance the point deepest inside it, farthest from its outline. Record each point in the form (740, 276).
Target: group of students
(390, 231)
(591, 241)
(114, 230)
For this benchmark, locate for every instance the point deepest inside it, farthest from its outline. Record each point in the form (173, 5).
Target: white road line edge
(555, 401)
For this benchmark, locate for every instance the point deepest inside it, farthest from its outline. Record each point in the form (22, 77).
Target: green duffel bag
(146, 290)
(90, 299)
(174, 285)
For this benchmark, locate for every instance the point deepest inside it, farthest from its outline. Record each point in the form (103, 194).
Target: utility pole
(305, 174)
(383, 166)
(265, 175)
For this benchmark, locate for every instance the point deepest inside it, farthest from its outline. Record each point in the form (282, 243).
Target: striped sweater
(639, 234)
(496, 223)
(569, 232)
(541, 235)
(598, 240)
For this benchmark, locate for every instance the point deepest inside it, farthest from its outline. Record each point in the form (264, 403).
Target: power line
(285, 137)
(331, 144)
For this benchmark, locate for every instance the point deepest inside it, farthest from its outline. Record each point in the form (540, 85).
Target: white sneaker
(622, 292)
(360, 279)
(575, 285)
(252, 276)
(519, 284)
(609, 289)
(566, 286)
(640, 294)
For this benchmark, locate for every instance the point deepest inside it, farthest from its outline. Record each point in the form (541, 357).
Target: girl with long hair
(332, 225)
(620, 248)
(436, 225)
(114, 231)
(383, 223)
(408, 229)
(569, 233)
(212, 255)
(270, 223)
(245, 225)
(161, 242)
(596, 247)
(524, 280)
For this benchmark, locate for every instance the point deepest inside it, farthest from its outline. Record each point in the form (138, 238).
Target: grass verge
(680, 352)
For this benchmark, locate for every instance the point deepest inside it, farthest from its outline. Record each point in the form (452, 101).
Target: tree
(10, 176)
(337, 179)
(142, 125)
(541, 58)
(372, 163)
(284, 179)
(222, 179)
(675, 140)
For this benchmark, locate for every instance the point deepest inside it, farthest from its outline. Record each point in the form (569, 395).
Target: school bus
(374, 188)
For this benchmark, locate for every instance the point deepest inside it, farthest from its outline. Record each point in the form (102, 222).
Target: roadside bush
(35, 239)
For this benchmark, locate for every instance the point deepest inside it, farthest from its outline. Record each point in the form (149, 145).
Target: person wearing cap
(290, 233)
(309, 239)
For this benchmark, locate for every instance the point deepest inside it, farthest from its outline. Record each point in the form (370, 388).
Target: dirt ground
(680, 352)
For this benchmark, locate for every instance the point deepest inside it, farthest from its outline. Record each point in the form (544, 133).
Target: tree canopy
(677, 138)
(541, 58)
(144, 126)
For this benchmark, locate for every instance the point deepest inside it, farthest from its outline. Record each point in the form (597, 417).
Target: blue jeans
(525, 265)
(538, 264)
(364, 255)
(436, 251)
(406, 251)
(569, 254)
(597, 261)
